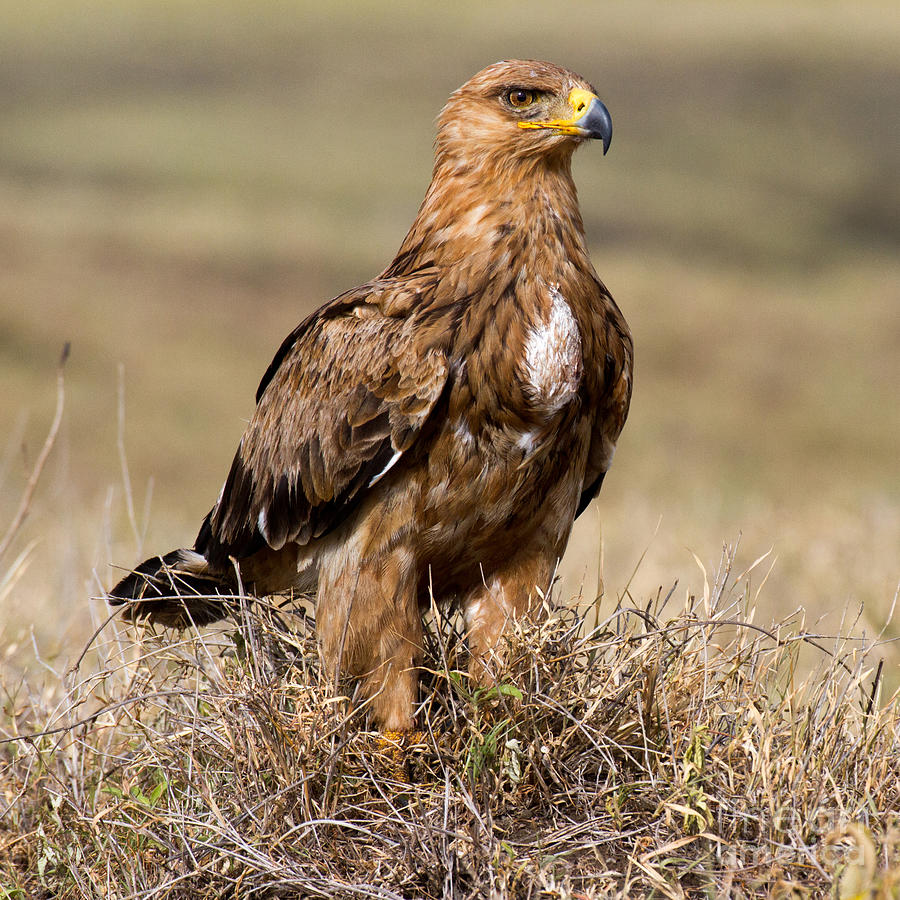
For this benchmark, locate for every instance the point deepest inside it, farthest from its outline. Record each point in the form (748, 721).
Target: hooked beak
(596, 122)
(590, 119)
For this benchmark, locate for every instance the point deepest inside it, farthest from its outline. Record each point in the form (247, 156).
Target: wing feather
(346, 396)
(616, 397)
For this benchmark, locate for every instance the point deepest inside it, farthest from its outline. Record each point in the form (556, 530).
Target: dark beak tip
(597, 123)
(603, 124)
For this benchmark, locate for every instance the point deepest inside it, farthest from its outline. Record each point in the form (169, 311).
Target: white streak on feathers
(383, 472)
(551, 367)
(261, 525)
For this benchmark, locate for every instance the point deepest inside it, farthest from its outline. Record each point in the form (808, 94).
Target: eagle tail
(175, 590)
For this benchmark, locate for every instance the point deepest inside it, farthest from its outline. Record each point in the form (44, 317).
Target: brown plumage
(440, 427)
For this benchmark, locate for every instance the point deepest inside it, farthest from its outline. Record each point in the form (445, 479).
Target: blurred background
(182, 181)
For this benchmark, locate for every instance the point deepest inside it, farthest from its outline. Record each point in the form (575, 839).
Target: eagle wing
(617, 353)
(345, 397)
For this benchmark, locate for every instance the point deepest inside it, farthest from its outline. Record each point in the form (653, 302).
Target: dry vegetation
(668, 751)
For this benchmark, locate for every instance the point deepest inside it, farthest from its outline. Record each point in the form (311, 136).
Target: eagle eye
(519, 98)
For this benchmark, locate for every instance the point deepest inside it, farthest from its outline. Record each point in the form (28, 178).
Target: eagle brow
(537, 91)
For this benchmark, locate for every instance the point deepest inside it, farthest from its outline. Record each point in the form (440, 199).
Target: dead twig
(28, 493)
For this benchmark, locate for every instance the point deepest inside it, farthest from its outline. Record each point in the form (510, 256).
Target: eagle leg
(514, 592)
(370, 628)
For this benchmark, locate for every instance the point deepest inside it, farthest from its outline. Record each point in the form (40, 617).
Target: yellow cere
(580, 100)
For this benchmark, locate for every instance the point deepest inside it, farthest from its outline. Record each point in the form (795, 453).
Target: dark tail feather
(175, 590)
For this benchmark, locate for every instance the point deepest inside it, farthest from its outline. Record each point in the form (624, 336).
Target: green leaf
(510, 690)
(156, 793)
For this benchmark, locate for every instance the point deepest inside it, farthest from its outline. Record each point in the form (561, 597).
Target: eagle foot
(397, 745)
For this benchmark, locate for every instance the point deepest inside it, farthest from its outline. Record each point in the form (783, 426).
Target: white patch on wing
(552, 363)
(383, 472)
(261, 524)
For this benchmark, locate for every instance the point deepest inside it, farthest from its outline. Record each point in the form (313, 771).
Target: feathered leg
(509, 593)
(370, 628)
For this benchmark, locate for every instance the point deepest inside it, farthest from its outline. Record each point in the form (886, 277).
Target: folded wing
(345, 398)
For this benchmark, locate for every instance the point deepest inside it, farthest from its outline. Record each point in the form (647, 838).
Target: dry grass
(662, 751)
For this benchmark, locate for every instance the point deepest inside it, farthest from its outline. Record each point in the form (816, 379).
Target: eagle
(430, 435)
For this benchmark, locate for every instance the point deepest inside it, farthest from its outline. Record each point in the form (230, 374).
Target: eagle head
(521, 109)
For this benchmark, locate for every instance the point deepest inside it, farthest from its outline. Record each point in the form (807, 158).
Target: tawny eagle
(435, 431)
